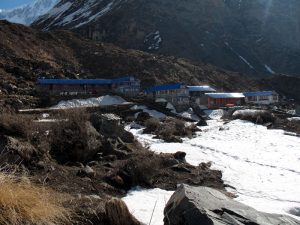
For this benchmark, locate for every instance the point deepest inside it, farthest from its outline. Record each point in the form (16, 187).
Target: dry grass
(23, 203)
(16, 125)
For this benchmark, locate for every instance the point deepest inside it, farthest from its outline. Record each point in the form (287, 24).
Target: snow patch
(294, 119)
(269, 69)
(142, 203)
(100, 101)
(241, 57)
(264, 165)
(247, 112)
(152, 112)
(153, 41)
(105, 10)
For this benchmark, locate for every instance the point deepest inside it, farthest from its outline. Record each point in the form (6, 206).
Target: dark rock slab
(206, 206)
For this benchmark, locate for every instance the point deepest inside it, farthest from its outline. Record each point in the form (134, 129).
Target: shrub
(151, 125)
(140, 170)
(22, 202)
(16, 125)
(74, 140)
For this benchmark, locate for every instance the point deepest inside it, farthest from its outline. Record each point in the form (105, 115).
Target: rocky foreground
(202, 205)
(93, 162)
(90, 163)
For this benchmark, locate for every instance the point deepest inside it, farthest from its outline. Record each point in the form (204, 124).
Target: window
(263, 98)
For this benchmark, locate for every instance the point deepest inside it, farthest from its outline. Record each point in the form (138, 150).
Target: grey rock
(207, 206)
(180, 156)
(295, 211)
(86, 171)
(170, 162)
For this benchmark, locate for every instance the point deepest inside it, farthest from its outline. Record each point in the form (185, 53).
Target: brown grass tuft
(22, 203)
(16, 125)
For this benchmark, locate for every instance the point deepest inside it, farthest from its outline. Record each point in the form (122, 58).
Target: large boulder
(76, 143)
(206, 206)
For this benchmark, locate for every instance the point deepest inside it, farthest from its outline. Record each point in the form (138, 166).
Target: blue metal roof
(201, 89)
(74, 81)
(258, 93)
(164, 87)
(83, 81)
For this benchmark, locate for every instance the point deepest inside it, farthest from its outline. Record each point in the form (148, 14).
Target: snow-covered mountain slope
(28, 13)
(252, 36)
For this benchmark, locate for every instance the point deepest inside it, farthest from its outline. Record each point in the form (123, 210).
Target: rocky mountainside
(27, 53)
(251, 36)
(28, 13)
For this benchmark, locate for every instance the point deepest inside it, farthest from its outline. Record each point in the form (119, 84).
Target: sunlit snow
(263, 165)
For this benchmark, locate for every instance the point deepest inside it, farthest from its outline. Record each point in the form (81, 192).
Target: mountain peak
(26, 14)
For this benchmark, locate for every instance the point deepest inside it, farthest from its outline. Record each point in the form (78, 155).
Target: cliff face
(252, 36)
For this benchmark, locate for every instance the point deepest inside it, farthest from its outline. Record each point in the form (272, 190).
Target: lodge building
(125, 85)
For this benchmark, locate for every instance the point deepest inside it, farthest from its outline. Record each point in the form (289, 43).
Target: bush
(22, 202)
(16, 125)
(74, 140)
(140, 170)
(151, 125)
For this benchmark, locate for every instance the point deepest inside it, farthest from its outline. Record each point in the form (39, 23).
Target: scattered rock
(170, 162)
(180, 156)
(92, 163)
(110, 158)
(86, 171)
(268, 125)
(116, 181)
(205, 166)
(181, 168)
(202, 205)
(142, 117)
(117, 213)
(201, 122)
(295, 211)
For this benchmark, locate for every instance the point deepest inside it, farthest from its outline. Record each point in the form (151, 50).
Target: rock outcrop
(206, 206)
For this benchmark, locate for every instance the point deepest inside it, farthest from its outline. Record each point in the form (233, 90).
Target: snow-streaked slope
(28, 13)
(263, 165)
(74, 14)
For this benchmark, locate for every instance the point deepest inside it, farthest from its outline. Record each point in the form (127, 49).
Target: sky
(10, 4)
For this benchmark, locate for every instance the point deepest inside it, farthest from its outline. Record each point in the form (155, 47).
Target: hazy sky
(9, 4)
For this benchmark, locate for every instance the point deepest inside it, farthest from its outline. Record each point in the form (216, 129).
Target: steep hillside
(252, 36)
(27, 54)
(28, 13)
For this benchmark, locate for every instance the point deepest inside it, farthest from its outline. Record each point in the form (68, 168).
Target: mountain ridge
(28, 13)
(253, 37)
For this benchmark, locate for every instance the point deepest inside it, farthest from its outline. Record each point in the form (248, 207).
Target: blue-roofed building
(197, 95)
(127, 85)
(261, 97)
(177, 94)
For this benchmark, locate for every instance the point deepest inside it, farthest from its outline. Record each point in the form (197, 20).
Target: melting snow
(241, 57)
(269, 69)
(263, 165)
(105, 10)
(100, 101)
(151, 112)
(153, 40)
(142, 203)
